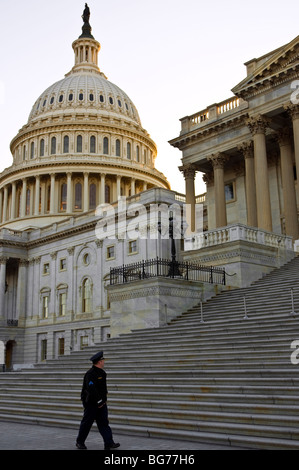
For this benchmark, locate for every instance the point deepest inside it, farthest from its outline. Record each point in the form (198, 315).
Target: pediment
(281, 61)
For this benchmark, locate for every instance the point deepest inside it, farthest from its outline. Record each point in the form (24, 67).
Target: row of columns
(39, 196)
(256, 176)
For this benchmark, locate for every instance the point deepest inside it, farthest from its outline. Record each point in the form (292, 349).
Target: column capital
(188, 170)
(258, 124)
(283, 136)
(23, 262)
(293, 110)
(3, 259)
(218, 160)
(208, 177)
(247, 149)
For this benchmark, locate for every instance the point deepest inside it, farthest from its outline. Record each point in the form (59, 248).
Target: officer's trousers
(100, 415)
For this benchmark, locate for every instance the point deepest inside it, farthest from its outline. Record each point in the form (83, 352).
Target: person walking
(94, 399)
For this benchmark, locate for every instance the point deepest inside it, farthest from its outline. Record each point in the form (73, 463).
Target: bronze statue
(86, 14)
(86, 28)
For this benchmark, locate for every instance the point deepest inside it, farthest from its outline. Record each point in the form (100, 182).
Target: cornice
(77, 167)
(267, 83)
(210, 130)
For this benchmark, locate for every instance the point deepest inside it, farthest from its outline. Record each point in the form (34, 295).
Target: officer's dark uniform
(94, 397)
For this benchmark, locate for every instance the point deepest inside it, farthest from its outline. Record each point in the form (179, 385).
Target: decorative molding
(258, 124)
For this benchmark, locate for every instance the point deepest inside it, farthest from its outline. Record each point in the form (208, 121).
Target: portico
(247, 148)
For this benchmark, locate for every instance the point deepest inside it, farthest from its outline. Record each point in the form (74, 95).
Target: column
(13, 201)
(218, 160)
(118, 186)
(23, 198)
(52, 194)
(37, 190)
(1, 205)
(69, 197)
(257, 126)
(189, 172)
(293, 110)
(3, 261)
(4, 218)
(288, 183)
(247, 149)
(103, 178)
(85, 193)
(132, 186)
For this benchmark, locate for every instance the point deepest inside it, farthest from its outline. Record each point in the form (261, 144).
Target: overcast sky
(172, 57)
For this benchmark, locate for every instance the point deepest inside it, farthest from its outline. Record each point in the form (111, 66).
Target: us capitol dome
(83, 145)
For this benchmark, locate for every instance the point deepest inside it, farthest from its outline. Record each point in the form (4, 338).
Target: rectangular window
(62, 264)
(62, 304)
(45, 307)
(43, 350)
(229, 192)
(46, 268)
(132, 249)
(83, 342)
(61, 347)
(111, 252)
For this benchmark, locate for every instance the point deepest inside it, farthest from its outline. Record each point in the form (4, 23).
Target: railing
(236, 232)
(212, 113)
(168, 269)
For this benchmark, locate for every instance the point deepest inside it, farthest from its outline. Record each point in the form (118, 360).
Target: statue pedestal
(86, 31)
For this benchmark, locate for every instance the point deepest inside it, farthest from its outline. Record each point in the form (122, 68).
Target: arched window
(92, 196)
(107, 194)
(24, 152)
(137, 154)
(86, 296)
(117, 148)
(78, 196)
(92, 144)
(32, 150)
(66, 144)
(63, 196)
(105, 145)
(129, 150)
(79, 143)
(53, 145)
(42, 148)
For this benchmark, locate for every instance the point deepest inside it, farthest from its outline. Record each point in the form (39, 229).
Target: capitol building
(84, 147)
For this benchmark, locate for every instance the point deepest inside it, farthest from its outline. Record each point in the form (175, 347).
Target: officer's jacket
(94, 389)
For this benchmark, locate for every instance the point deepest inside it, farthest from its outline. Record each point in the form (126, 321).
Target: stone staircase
(227, 380)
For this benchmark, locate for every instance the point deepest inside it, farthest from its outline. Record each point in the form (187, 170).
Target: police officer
(94, 398)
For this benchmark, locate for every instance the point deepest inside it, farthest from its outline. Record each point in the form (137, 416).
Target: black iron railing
(165, 268)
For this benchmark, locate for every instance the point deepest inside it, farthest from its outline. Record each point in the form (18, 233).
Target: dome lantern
(86, 48)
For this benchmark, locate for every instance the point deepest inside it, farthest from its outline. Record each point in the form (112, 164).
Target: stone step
(288, 405)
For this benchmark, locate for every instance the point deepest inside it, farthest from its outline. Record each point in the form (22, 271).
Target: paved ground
(15, 436)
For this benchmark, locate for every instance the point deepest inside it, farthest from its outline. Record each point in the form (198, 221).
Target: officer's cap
(97, 357)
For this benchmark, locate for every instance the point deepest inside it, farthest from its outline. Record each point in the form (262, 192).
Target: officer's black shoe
(81, 446)
(112, 446)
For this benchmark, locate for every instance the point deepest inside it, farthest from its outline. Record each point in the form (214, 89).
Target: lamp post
(174, 265)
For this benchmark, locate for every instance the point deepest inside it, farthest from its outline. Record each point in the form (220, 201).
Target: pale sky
(172, 57)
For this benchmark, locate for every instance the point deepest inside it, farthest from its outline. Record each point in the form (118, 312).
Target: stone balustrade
(212, 113)
(236, 232)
